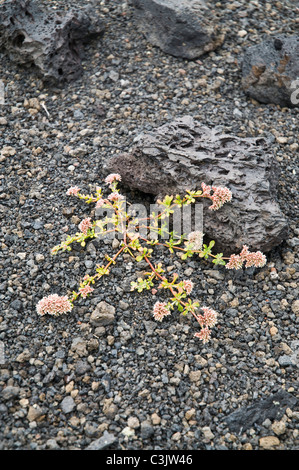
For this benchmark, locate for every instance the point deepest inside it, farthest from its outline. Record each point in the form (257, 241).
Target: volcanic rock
(103, 442)
(182, 154)
(272, 408)
(271, 71)
(47, 39)
(103, 314)
(182, 28)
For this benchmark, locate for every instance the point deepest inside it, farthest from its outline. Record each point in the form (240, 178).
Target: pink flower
(220, 197)
(85, 225)
(100, 203)
(208, 319)
(188, 286)
(204, 335)
(73, 191)
(113, 177)
(196, 239)
(160, 311)
(257, 259)
(115, 197)
(205, 189)
(244, 253)
(85, 290)
(235, 262)
(54, 305)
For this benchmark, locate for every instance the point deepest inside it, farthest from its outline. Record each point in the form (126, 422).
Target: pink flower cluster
(206, 190)
(54, 305)
(100, 203)
(206, 321)
(188, 286)
(219, 197)
(115, 197)
(85, 225)
(160, 311)
(204, 335)
(73, 191)
(196, 238)
(85, 290)
(257, 259)
(112, 177)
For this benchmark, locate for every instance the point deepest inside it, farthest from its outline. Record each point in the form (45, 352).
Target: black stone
(272, 408)
(50, 40)
(182, 28)
(271, 71)
(103, 442)
(180, 155)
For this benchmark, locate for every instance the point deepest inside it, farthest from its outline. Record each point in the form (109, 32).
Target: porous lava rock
(271, 71)
(182, 154)
(48, 39)
(182, 28)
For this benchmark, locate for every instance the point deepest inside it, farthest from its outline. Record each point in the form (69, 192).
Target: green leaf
(218, 259)
(219, 262)
(167, 200)
(178, 201)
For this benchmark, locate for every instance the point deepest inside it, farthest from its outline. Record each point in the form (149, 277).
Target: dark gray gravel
(67, 383)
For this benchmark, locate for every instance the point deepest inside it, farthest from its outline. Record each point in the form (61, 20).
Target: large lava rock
(48, 39)
(179, 156)
(182, 28)
(272, 407)
(271, 71)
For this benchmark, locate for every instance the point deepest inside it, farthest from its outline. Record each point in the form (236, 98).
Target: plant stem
(99, 275)
(170, 287)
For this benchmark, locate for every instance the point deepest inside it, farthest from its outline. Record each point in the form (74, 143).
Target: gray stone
(10, 392)
(90, 430)
(79, 346)
(291, 359)
(285, 360)
(52, 444)
(82, 367)
(38, 224)
(106, 382)
(48, 39)
(147, 429)
(182, 154)
(103, 314)
(16, 305)
(88, 263)
(182, 28)
(78, 114)
(103, 442)
(270, 70)
(67, 404)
